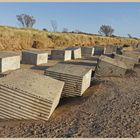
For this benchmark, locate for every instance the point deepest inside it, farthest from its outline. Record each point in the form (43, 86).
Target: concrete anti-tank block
(110, 49)
(76, 52)
(128, 49)
(33, 57)
(77, 78)
(99, 50)
(28, 95)
(107, 66)
(61, 54)
(130, 62)
(9, 61)
(87, 51)
(132, 54)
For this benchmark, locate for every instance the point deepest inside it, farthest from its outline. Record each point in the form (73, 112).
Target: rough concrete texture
(129, 49)
(28, 95)
(110, 49)
(99, 50)
(61, 54)
(130, 62)
(132, 54)
(34, 57)
(89, 62)
(138, 46)
(77, 78)
(108, 109)
(107, 66)
(9, 61)
(76, 52)
(87, 51)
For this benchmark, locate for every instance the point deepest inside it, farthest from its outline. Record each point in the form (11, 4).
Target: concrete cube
(99, 50)
(110, 49)
(87, 51)
(28, 95)
(77, 78)
(61, 54)
(84, 62)
(107, 66)
(138, 46)
(9, 61)
(34, 57)
(128, 49)
(76, 52)
(132, 54)
(130, 62)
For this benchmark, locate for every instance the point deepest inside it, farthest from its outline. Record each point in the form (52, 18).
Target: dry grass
(17, 39)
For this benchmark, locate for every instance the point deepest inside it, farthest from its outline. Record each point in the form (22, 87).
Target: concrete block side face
(105, 69)
(10, 63)
(87, 52)
(72, 87)
(18, 106)
(42, 58)
(29, 58)
(104, 50)
(93, 50)
(58, 54)
(77, 53)
(132, 55)
(0, 64)
(128, 61)
(56, 100)
(67, 55)
(99, 50)
(128, 49)
(110, 49)
(86, 81)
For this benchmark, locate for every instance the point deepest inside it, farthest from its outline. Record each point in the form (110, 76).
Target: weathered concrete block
(28, 95)
(84, 62)
(77, 78)
(9, 61)
(132, 54)
(128, 49)
(76, 52)
(138, 46)
(61, 54)
(107, 66)
(110, 49)
(99, 50)
(34, 57)
(49, 54)
(87, 51)
(130, 62)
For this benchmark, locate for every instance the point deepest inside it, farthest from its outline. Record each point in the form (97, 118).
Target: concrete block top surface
(35, 51)
(72, 48)
(128, 48)
(36, 84)
(99, 47)
(112, 61)
(69, 69)
(8, 54)
(90, 47)
(123, 56)
(60, 50)
(137, 54)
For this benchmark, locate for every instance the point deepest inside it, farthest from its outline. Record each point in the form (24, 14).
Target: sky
(87, 17)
